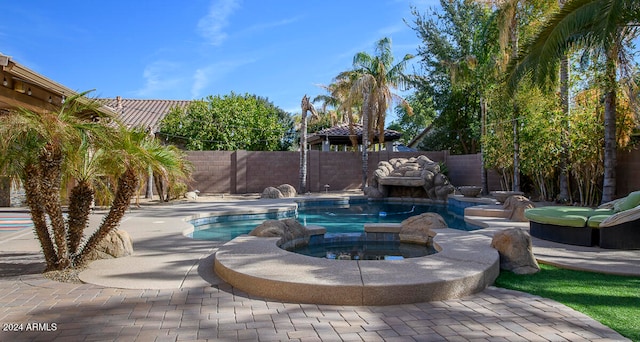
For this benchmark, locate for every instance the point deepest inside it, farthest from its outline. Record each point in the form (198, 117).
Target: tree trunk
(516, 143)
(366, 111)
(516, 151)
(303, 152)
(79, 209)
(31, 183)
(563, 197)
(483, 132)
(51, 166)
(159, 187)
(609, 182)
(127, 185)
(149, 192)
(5, 191)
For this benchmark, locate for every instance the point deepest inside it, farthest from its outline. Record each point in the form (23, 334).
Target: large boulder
(373, 192)
(517, 204)
(287, 190)
(116, 244)
(271, 192)
(443, 191)
(292, 234)
(516, 252)
(419, 229)
(410, 177)
(192, 195)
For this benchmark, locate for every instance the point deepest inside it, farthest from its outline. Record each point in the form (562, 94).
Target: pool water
(336, 218)
(365, 250)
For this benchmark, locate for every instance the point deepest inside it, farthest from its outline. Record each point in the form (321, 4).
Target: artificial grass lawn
(612, 300)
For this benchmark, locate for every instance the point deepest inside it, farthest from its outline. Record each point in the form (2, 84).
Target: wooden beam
(10, 98)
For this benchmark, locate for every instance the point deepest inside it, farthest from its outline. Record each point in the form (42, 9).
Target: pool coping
(465, 264)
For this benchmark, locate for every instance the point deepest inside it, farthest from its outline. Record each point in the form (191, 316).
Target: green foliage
(375, 78)
(612, 300)
(319, 123)
(457, 51)
(540, 138)
(177, 190)
(586, 141)
(411, 125)
(229, 122)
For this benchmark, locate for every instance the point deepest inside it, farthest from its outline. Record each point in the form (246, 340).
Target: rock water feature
(417, 177)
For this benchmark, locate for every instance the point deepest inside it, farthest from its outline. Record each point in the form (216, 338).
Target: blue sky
(280, 49)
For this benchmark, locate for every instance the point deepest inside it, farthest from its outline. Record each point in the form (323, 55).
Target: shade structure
(340, 134)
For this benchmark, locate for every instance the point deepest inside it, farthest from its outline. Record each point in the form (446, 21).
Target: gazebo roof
(339, 135)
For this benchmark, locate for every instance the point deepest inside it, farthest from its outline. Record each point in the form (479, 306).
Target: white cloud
(265, 26)
(211, 26)
(390, 30)
(158, 78)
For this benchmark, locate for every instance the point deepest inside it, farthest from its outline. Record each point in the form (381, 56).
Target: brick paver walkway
(55, 311)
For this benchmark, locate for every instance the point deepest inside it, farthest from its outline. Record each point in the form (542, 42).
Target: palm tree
(602, 26)
(129, 160)
(564, 100)
(374, 78)
(36, 146)
(76, 141)
(339, 100)
(305, 106)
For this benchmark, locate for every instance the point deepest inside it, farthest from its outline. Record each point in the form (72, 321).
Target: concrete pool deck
(168, 291)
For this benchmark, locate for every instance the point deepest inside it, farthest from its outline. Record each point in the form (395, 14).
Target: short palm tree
(374, 79)
(81, 142)
(128, 161)
(600, 26)
(36, 147)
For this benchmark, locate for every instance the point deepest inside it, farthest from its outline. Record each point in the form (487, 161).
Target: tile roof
(339, 134)
(146, 113)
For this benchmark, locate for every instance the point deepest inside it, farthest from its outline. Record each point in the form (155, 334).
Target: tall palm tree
(305, 106)
(375, 77)
(563, 196)
(338, 98)
(602, 26)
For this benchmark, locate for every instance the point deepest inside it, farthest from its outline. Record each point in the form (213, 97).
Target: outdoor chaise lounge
(613, 225)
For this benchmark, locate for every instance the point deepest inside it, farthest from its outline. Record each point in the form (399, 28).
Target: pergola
(339, 136)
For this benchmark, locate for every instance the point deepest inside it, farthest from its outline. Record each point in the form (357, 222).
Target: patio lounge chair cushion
(595, 220)
(629, 202)
(564, 215)
(621, 231)
(622, 217)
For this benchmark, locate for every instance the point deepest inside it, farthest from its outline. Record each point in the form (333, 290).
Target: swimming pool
(336, 216)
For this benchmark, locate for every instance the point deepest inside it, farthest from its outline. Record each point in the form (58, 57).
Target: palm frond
(588, 24)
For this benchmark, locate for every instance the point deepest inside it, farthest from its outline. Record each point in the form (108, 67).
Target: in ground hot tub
(465, 264)
(359, 247)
